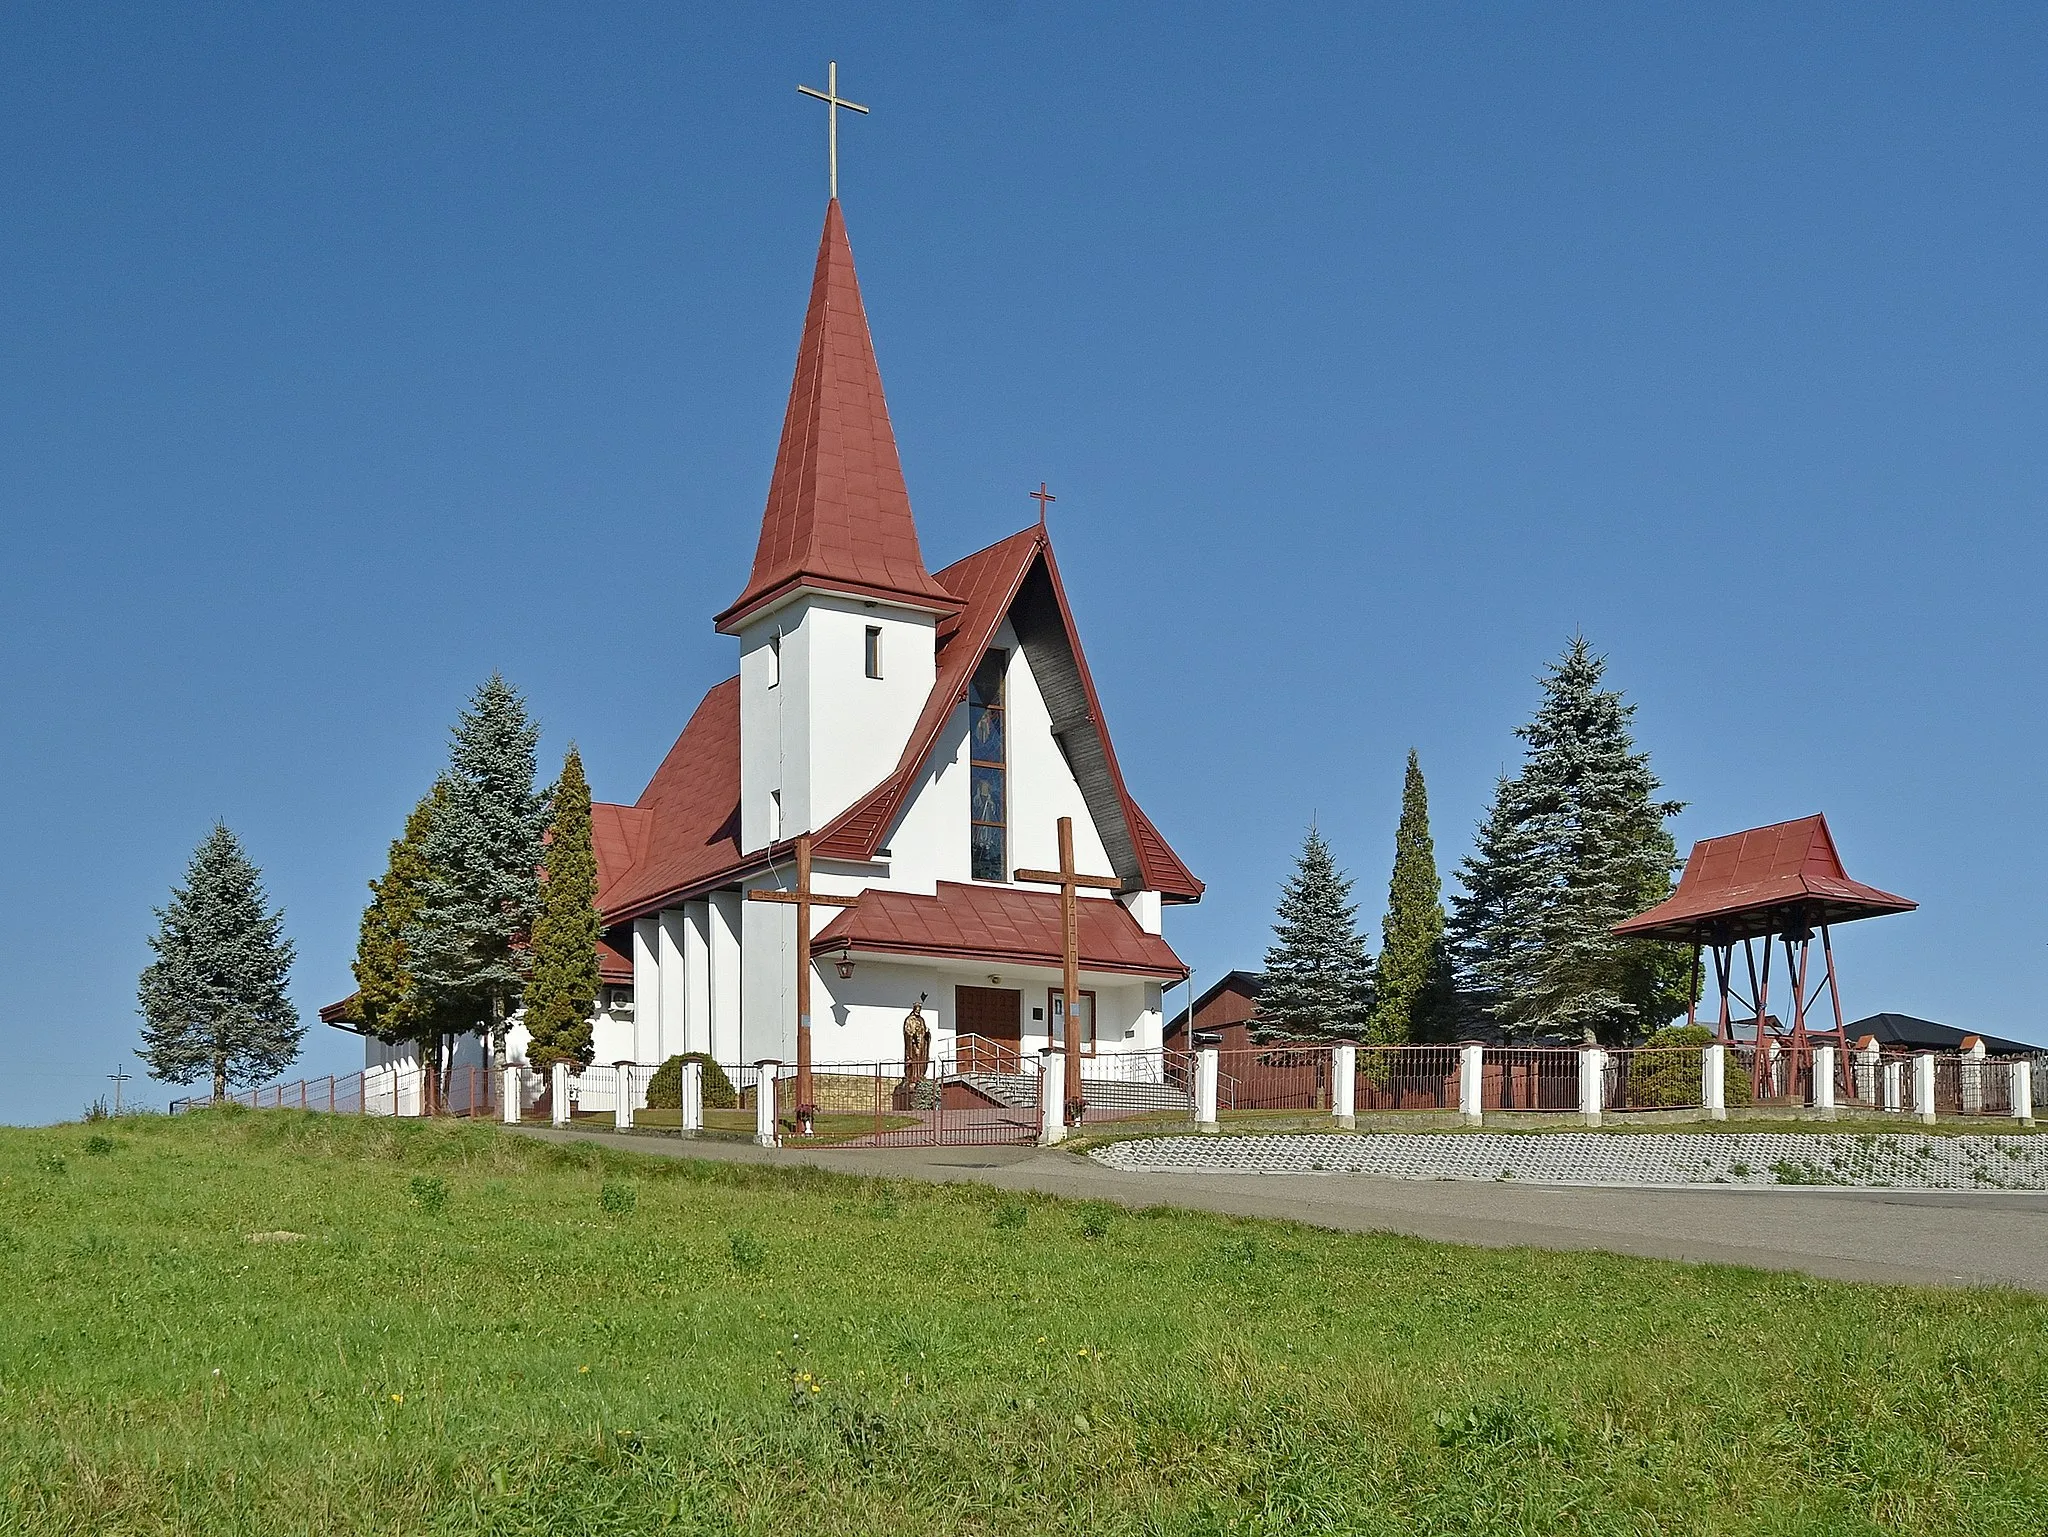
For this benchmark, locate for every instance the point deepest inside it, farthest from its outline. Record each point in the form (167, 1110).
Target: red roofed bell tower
(837, 622)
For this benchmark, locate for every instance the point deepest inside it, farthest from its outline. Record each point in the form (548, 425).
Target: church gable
(1013, 597)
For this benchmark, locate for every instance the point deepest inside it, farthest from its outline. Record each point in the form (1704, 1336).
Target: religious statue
(917, 1043)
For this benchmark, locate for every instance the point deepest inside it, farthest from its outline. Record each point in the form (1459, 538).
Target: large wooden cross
(1070, 881)
(803, 899)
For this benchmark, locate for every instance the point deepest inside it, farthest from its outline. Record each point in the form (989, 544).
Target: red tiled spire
(838, 513)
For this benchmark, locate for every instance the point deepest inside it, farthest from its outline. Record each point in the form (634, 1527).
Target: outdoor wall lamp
(844, 965)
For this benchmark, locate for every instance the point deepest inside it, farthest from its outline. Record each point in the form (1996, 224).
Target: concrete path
(1921, 1238)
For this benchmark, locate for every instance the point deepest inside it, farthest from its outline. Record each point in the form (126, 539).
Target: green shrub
(50, 1163)
(429, 1193)
(665, 1088)
(99, 1144)
(617, 1197)
(1675, 1080)
(748, 1252)
(1012, 1215)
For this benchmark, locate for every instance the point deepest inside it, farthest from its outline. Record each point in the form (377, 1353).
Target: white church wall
(767, 981)
(1042, 788)
(929, 844)
(814, 728)
(646, 1023)
(764, 688)
(672, 1027)
(857, 725)
(1146, 910)
(722, 910)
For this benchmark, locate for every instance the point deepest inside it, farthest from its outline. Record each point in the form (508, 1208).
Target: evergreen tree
(213, 1001)
(388, 1000)
(1574, 843)
(561, 980)
(483, 851)
(1412, 980)
(1318, 982)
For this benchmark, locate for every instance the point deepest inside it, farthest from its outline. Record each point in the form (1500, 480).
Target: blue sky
(351, 352)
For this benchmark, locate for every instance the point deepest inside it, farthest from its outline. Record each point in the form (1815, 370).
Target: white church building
(928, 730)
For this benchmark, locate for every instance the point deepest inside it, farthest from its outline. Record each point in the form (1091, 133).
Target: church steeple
(838, 516)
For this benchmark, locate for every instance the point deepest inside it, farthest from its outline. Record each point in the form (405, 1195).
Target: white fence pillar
(1714, 1081)
(1824, 1080)
(1052, 1078)
(765, 1133)
(558, 1094)
(508, 1107)
(692, 1098)
(2022, 1091)
(1592, 1083)
(622, 1095)
(1923, 1086)
(1868, 1068)
(1971, 1073)
(1472, 1084)
(1344, 1085)
(1894, 1086)
(1205, 1089)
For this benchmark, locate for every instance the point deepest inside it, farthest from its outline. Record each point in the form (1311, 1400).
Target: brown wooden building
(1222, 1015)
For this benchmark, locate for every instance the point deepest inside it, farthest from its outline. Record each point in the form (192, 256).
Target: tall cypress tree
(561, 980)
(213, 1001)
(1574, 843)
(386, 995)
(483, 851)
(1412, 980)
(1318, 982)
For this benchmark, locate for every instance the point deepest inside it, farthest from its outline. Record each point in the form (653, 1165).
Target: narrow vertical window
(874, 651)
(987, 792)
(774, 660)
(774, 815)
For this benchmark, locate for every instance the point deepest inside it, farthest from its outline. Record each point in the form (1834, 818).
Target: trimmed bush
(1676, 1080)
(665, 1088)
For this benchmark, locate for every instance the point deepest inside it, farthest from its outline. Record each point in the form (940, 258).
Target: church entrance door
(988, 1022)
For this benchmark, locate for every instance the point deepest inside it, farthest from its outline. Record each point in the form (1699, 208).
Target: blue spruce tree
(481, 891)
(1573, 844)
(1318, 982)
(213, 1001)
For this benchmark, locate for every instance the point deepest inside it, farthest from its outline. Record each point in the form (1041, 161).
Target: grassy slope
(524, 1360)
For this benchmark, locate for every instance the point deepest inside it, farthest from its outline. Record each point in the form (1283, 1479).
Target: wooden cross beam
(1070, 881)
(803, 899)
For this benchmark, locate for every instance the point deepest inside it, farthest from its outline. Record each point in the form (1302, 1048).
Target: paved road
(1973, 1238)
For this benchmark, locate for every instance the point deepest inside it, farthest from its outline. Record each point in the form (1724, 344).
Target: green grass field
(479, 1332)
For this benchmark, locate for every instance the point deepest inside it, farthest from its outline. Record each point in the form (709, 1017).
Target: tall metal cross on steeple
(1041, 496)
(833, 102)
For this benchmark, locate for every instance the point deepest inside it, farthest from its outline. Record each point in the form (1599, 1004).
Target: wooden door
(996, 1014)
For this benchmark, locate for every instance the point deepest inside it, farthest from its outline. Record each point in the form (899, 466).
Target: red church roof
(683, 832)
(989, 582)
(1747, 884)
(999, 925)
(690, 812)
(838, 514)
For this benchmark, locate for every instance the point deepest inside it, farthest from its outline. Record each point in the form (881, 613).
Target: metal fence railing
(1529, 1078)
(396, 1091)
(974, 1090)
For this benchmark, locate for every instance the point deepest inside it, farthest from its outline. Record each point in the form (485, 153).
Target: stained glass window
(988, 791)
